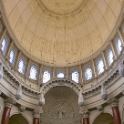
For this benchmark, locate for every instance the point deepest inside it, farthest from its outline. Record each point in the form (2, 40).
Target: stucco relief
(61, 110)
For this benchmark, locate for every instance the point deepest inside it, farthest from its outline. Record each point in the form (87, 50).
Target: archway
(61, 82)
(104, 118)
(17, 119)
(61, 106)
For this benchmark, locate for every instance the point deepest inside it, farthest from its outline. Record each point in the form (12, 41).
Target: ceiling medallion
(62, 7)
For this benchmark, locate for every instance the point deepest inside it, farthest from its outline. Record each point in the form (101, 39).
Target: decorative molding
(60, 82)
(113, 102)
(22, 108)
(37, 113)
(84, 112)
(100, 108)
(9, 102)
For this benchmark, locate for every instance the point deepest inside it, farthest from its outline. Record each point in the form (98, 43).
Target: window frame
(43, 76)
(78, 76)
(14, 59)
(60, 73)
(98, 59)
(107, 57)
(89, 66)
(117, 48)
(37, 67)
(7, 44)
(114, 45)
(24, 65)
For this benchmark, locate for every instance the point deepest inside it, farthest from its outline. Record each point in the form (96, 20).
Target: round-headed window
(88, 73)
(46, 76)
(100, 66)
(110, 57)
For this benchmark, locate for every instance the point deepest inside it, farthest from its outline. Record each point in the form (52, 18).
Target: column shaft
(36, 121)
(85, 120)
(6, 115)
(116, 115)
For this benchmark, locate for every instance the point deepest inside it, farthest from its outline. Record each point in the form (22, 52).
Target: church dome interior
(64, 32)
(61, 61)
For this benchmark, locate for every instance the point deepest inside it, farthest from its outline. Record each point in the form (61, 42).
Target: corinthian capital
(9, 102)
(37, 113)
(113, 102)
(84, 112)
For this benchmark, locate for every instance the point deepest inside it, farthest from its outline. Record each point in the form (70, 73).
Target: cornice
(110, 80)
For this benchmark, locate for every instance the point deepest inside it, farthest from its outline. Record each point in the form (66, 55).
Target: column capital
(113, 102)
(84, 112)
(9, 102)
(37, 113)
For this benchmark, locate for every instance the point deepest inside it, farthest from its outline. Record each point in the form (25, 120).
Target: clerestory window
(110, 57)
(4, 45)
(21, 66)
(60, 75)
(100, 66)
(88, 73)
(46, 76)
(119, 46)
(75, 76)
(33, 73)
(12, 56)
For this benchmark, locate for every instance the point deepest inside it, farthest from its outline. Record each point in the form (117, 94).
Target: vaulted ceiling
(61, 32)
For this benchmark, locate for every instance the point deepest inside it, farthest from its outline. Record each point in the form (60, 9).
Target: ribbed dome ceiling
(61, 32)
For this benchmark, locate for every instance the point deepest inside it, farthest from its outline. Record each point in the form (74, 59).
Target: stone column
(7, 109)
(36, 114)
(115, 110)
(85, 114)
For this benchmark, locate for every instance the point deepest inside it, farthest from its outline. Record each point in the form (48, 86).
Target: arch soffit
(61, 82)
(24, 115)
(105, 112)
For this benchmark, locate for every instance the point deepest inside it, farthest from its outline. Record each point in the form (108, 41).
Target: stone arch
(22, 114)
(61, 82)
(95, 116)
(103, 116)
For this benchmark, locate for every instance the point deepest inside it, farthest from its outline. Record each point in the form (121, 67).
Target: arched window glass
(33, 73)
(118, 45)
(88, 73)
(4, 45)
(110, 57)
(100, 66)
(46, 76)
(75, 76)
(60, 75)
(12, 56)
(21, 66)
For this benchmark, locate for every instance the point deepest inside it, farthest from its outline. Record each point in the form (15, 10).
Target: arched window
(4, 45)
(60, 75)
(88, 73)
(100, 66)
(110, 57)
(12, 56)
(21, 66)
(33, 73)
(118, 45)
(46, 76)
(75, 76)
